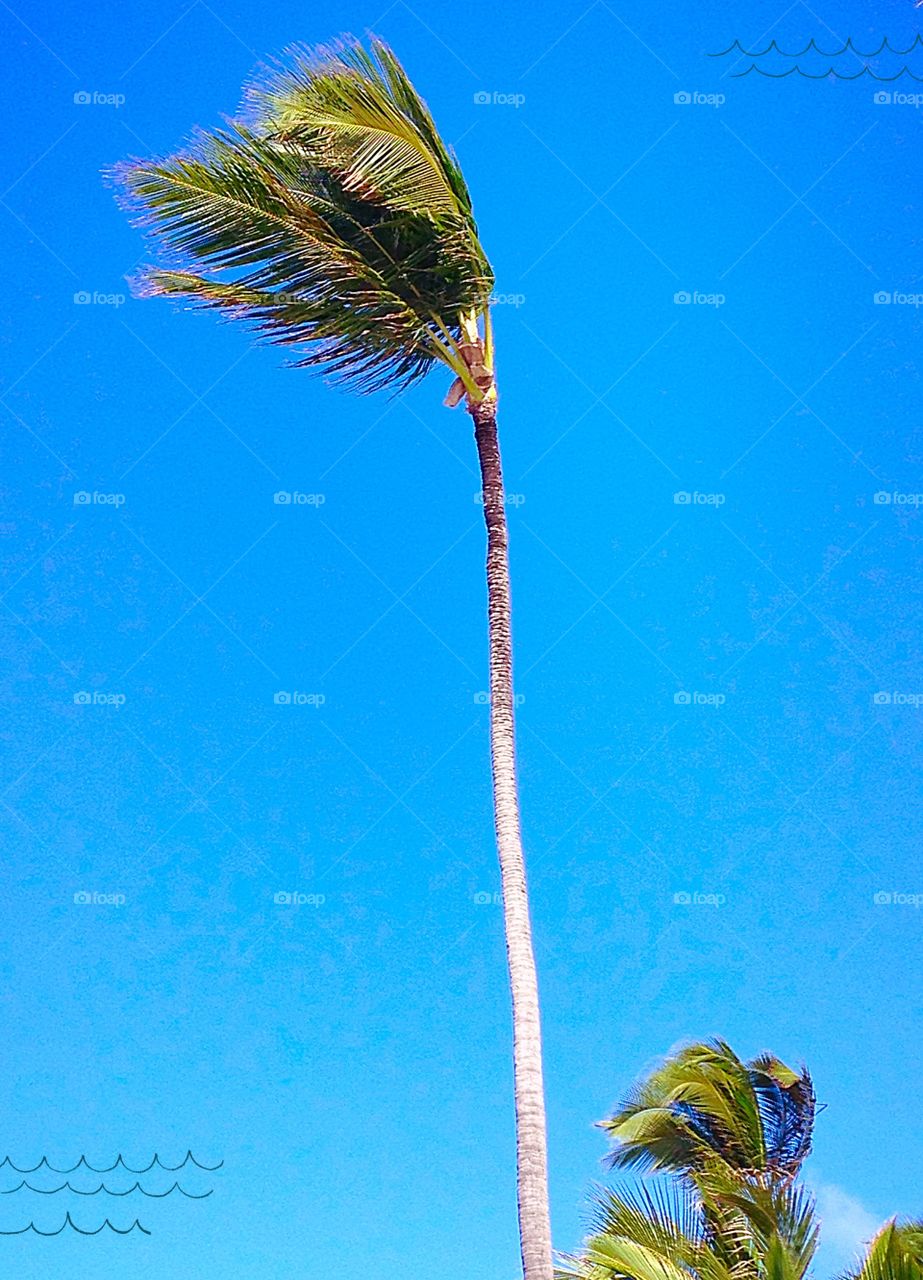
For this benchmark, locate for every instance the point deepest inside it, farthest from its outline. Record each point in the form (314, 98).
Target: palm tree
(732, 1137)
(334, 219)
(728, 1140)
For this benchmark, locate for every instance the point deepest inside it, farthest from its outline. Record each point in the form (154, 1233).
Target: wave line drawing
(824, 75)
(69, 1222)
(84, 1163)
(848, 47)
(154, 1195)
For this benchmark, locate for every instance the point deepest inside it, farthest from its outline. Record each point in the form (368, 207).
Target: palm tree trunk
(531, 1143)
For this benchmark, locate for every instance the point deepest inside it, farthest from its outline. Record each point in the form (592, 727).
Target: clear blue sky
(349, 1059)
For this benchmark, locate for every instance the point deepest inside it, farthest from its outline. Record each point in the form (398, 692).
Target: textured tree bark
(531, 1142)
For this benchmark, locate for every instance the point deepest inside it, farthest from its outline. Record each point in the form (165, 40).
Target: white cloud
(846, 1226)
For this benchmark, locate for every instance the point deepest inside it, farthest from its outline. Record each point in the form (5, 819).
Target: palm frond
(661, 1214)
(625, 1259)
(357, 114)
(896, 1253)
(787, 1106)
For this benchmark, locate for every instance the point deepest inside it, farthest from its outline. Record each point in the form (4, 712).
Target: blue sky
(721, 697)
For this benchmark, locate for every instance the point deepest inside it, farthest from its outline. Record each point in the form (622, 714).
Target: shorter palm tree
(726, 1141)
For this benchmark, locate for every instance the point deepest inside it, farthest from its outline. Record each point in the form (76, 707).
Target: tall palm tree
(728, 1139)
(335, 220)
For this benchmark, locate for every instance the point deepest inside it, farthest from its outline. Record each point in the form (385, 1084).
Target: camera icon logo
(682, 99)
(82, 699)
(682, 499)
(882, 298)
(682, 699)
(882, 699)
(82, 499)
(881, 99)
(282, 698)
(83, 298)
(281, 499)
(683, 298)
(282, 899)
(482, 899)
(682, 899)
(882, 899)
(482, 99)
(881, 498)
(82, 898)
(81, 97)
(482, 698)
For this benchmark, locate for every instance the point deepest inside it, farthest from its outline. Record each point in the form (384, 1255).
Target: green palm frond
(662, 1215)
(760, 1219)
(650, 1137)
(336, 222)
(896, 1253)
(623, 1257)
(655, 1231)
(357, 114)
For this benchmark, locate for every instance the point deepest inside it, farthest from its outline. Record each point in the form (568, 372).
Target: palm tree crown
(333, 218)
(704, 1105)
